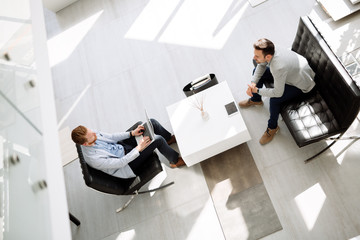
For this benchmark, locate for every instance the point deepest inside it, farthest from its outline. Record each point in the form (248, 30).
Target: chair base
(74, 220)
(137, 193)
(354, 138)
(128, 202)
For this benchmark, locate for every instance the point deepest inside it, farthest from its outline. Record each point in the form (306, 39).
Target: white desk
(198, 139)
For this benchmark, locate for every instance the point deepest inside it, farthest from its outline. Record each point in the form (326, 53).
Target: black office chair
(191, 89)
(106, 183)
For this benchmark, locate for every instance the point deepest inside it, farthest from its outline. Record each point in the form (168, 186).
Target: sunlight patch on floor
(71, 109)
(151, 20)
(63, 45)
(196, 23)
(205, 219)
(127, 235)
(310, 203)
(158, 180)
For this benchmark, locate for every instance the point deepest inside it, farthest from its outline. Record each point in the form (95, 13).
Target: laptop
(149, 130)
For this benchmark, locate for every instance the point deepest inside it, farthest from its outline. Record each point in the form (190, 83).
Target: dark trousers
(290, 92)
(161, 136)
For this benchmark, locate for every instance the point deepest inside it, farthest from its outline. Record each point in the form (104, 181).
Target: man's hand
(138, 131)
(145, 141)
(251, 89)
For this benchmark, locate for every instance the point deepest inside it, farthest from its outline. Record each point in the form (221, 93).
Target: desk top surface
(192, 132)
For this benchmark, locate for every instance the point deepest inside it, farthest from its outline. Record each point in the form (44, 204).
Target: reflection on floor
(128, 55)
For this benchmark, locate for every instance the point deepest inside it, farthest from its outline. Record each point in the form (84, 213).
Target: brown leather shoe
(179, 163)
(171, 140)
(248, 103)
(268, 135)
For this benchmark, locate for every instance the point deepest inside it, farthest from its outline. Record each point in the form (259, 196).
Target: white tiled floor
(118, 57)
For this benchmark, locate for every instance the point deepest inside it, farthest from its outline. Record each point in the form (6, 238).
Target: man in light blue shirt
(292, 77)
(118, 154)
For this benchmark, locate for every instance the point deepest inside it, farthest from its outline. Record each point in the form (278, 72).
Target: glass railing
(24, 199)
(342, 37)
(26, 177)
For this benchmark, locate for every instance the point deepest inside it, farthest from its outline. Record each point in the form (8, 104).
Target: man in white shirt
(292, 77)
(119, 155)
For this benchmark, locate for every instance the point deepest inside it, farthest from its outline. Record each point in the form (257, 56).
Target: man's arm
(259, 71)
(115, 137)
(102, 160)
(106, 162)
(279, 84)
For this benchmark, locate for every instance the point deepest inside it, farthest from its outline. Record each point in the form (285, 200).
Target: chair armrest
(133, 127)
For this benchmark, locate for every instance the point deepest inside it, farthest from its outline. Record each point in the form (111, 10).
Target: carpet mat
(242, 203)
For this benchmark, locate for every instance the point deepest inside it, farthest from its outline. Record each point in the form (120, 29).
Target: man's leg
(160, 130)
(290, 92)
(159, 143)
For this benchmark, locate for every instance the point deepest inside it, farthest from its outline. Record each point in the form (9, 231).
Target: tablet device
(231, 108)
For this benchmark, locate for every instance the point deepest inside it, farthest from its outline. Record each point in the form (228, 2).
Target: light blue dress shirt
(110, 157)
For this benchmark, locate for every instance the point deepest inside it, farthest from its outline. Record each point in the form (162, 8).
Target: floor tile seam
(130, 68)
(216, 212)
(244, 189)
(103, 7)
(214, 205)
(161, 212)
(252, 187)
(73, 95)
(264, 172)
(347, 215)
(113, 77)
(266, 167)
(104, 237)
(284, 160)
(84, 69)
(339, 196)
(121, 229)
(286, 220)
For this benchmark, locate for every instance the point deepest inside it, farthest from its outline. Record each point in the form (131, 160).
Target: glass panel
(343, 39)
(24, 208)
(17, 66)
(24, 198)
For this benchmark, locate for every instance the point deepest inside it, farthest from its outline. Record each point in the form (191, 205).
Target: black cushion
(309, 120)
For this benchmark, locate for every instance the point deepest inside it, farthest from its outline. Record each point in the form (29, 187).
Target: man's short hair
(266, 46)
(78, 135)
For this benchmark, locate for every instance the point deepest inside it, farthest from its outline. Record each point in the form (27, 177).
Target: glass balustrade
(26, 197)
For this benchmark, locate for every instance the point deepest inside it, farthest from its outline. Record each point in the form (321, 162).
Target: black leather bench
(334, 103)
